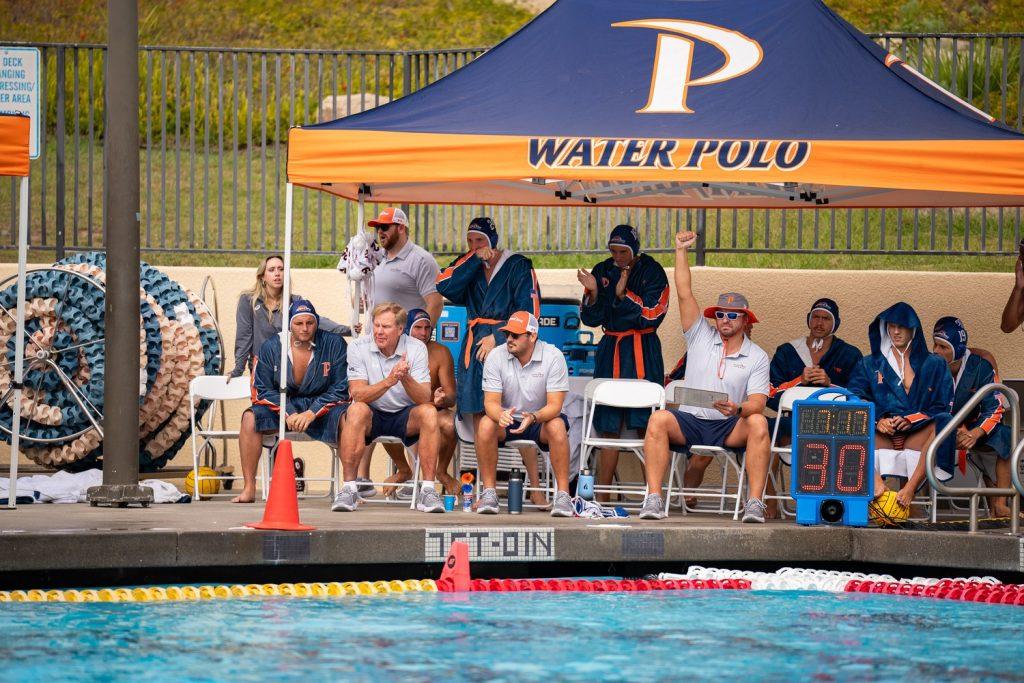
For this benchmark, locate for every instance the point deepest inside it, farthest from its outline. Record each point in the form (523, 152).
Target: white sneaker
(653, 507)
(346, 501)
(488, 504)
(429, 501)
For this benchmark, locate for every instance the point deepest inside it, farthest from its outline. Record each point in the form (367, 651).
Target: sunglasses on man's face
(513, 335)
(385, 228)
(731, 315)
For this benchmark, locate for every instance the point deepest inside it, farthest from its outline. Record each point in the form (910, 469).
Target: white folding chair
(731, 464)
(217, 390)
(270, 444)
(412, 453)
(509, 458)
(619, 393)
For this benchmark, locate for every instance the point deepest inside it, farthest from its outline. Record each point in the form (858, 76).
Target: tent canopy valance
(742, 103)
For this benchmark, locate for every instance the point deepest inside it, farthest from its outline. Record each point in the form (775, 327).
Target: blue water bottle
(515, 492)
(585, 485)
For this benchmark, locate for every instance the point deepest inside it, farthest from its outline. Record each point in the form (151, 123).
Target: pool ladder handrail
(974, 492)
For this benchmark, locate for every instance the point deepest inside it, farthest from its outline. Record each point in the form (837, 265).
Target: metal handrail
(974, 491)
(1015, 467)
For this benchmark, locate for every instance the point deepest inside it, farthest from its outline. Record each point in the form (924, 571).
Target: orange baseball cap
(521, 322)
(389, 216)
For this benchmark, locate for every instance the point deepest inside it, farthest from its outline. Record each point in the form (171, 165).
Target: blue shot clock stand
(833, 472)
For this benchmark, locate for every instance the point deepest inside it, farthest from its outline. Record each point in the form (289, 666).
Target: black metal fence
(214, 123)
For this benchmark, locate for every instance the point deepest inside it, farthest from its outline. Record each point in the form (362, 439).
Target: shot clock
(833, 458)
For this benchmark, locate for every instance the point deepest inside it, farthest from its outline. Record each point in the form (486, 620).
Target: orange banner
(14, 132)
(338, 160)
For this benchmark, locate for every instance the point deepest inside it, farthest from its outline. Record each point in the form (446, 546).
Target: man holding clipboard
(720, 358)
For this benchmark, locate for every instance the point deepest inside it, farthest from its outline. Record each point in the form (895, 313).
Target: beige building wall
(780, 298)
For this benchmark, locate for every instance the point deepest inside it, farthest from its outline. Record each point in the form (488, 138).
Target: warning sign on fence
(19, 88)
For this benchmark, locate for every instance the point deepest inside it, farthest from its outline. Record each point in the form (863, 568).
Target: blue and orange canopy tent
(744, 103)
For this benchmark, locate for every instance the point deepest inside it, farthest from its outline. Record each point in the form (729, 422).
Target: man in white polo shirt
(408, 274)
(525, 382)
(720, 357)
(389, 384)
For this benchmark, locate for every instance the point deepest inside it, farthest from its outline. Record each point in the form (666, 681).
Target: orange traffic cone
(456, 566)
(282, 511)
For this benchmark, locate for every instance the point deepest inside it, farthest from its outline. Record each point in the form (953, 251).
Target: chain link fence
(214, 122)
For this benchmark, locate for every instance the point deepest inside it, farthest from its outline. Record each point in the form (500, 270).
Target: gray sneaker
(404, 492)
(753, 511)
(429, 501)
(488, 504)
(653, 507)
(345, 501)
(365, 488)
(562, 505)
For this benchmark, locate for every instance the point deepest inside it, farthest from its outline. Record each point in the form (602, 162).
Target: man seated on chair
(983, 429)
(525, 383)
(442, 385)
(820, 359)
(389, 381)
(912, 392)
(720, 358)
(317, 393)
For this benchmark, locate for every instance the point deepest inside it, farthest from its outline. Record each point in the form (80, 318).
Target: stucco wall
(779, 297)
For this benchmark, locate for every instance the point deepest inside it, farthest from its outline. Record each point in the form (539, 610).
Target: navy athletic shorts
(392, 424)
(699, 431)
(532, 433)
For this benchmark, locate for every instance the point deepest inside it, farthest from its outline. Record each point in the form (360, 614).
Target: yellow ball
(887, 511)
(209, 486)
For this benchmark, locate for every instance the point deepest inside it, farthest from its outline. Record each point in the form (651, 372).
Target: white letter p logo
(673, 60)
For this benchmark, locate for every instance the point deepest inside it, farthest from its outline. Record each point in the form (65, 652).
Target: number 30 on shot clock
(833, 458)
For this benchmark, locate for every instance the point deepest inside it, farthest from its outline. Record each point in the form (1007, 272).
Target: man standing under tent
(492, 284)
(626, 295)
(389, 381)
(317, 395)
(408, 277)
(720, 358)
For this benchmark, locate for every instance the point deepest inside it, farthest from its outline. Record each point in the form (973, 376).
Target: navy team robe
(931, 395)
(976, 373)
(787, 367)
(630, 347)
(489, 305)
(324, 389)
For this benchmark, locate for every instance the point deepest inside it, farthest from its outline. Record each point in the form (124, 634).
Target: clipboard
(697, 398)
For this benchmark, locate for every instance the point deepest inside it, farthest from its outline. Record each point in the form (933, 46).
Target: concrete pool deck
(51, 540)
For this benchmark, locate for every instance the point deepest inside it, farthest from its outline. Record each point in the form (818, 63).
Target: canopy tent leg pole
(19, 343)
(285, 306)
(357, 285)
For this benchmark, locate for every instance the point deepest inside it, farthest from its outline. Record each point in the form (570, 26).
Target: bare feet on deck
(246, 496)
(399, 477)
(451, 486)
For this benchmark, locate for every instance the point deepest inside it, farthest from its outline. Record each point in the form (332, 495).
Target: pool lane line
(593, 585)
(946, 589)
(222, 592)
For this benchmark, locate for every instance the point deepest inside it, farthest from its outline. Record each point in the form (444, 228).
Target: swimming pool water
(744, 635)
